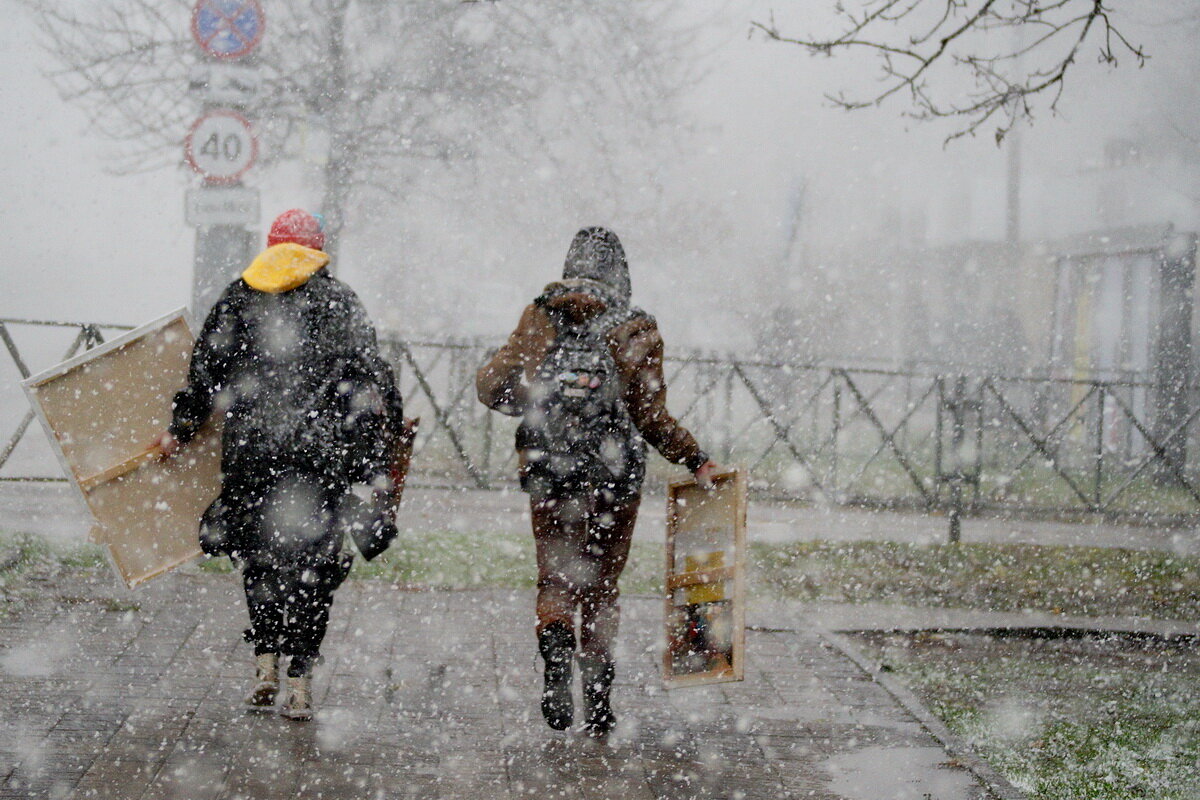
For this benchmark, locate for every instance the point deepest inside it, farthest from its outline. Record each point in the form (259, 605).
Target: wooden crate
(705, 600)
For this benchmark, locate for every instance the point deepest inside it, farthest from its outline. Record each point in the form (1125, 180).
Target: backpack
(576, 434)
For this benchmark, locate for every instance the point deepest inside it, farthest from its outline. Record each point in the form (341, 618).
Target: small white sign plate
(231, 205)
(225, 84)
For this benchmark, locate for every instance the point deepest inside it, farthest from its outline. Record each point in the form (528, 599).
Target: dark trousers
(289, 610)
(582, 546)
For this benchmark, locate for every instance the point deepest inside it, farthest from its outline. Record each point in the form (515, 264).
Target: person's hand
(167, 444)
(704, 475)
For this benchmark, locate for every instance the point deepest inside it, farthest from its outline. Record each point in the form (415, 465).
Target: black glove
(369, 522)
(214, 531)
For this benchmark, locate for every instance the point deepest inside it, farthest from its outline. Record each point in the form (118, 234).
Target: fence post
(938, 434)
(729, 411)
(977, 474)
(1098, 475)
(1173, 359)
(486, 467)
(837, 429)
(957, 435)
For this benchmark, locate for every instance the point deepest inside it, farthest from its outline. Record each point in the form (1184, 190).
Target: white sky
(83, 244)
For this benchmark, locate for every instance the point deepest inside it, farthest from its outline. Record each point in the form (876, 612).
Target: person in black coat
(310, 409)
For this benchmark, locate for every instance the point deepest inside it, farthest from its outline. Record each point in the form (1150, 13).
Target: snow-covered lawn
(1084, 581)
(1091, 718)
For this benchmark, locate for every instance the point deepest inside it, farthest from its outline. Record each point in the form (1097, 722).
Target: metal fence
(17, 417)
(928, 439)
(922, 438)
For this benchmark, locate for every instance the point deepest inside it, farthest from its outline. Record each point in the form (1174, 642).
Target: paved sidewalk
(428, 695)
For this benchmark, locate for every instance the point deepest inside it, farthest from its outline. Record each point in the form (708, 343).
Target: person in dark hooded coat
(289, 359)
(584, 491)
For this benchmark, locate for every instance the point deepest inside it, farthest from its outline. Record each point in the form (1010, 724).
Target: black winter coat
(307, 400)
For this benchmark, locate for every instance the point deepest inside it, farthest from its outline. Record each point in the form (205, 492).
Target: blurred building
(1080, 283)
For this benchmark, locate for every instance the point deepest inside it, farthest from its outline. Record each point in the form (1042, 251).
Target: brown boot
(266, 676)
(298, 703)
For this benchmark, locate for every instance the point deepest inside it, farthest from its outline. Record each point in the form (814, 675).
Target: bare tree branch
(978, 62)
(386, 85)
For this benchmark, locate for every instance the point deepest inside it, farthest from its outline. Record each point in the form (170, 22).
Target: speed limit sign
(221, 146)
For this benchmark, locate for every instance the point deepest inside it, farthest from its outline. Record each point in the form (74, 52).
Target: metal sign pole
(222, 252)
(221, 145)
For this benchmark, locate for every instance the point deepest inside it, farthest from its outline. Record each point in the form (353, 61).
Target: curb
(956, 746)
(1036, 632)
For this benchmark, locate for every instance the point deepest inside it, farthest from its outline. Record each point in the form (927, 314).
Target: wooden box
(705, 582)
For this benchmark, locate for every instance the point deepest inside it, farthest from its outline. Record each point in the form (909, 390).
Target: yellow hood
(284, 267)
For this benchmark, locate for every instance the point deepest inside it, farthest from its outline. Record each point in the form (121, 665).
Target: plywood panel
(101, 410)
(105, 409)
(705, 613)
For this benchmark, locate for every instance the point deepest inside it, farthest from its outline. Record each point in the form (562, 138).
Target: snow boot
(557, 645)
(298, 704)
(266, 676)
(597, 677)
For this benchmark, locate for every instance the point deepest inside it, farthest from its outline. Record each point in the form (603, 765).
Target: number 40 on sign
(221, 146)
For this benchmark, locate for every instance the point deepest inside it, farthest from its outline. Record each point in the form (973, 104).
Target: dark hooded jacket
(307, 399)
(633, 339)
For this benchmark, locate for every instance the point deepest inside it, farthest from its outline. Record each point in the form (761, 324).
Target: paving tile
(422, 695)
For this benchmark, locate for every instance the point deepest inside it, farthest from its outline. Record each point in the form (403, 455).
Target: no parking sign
(227, 28)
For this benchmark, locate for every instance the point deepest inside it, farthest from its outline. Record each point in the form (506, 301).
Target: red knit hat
(297, 226)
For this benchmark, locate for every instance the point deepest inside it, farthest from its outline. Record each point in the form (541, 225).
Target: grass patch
(215, 566)
(1067, 580)
(458, 560)
(23, 554)
(1087, 719)
(495, 560)
(1001, 577)
(25, 558)
(1088, 581)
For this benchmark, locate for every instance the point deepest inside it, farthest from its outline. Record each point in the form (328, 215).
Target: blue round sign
(227, 28)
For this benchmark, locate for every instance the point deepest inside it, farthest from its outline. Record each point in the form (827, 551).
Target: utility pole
(795, 254)
(1012, 227)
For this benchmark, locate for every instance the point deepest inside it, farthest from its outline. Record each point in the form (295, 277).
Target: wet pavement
(108, 694)
(53, 510)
